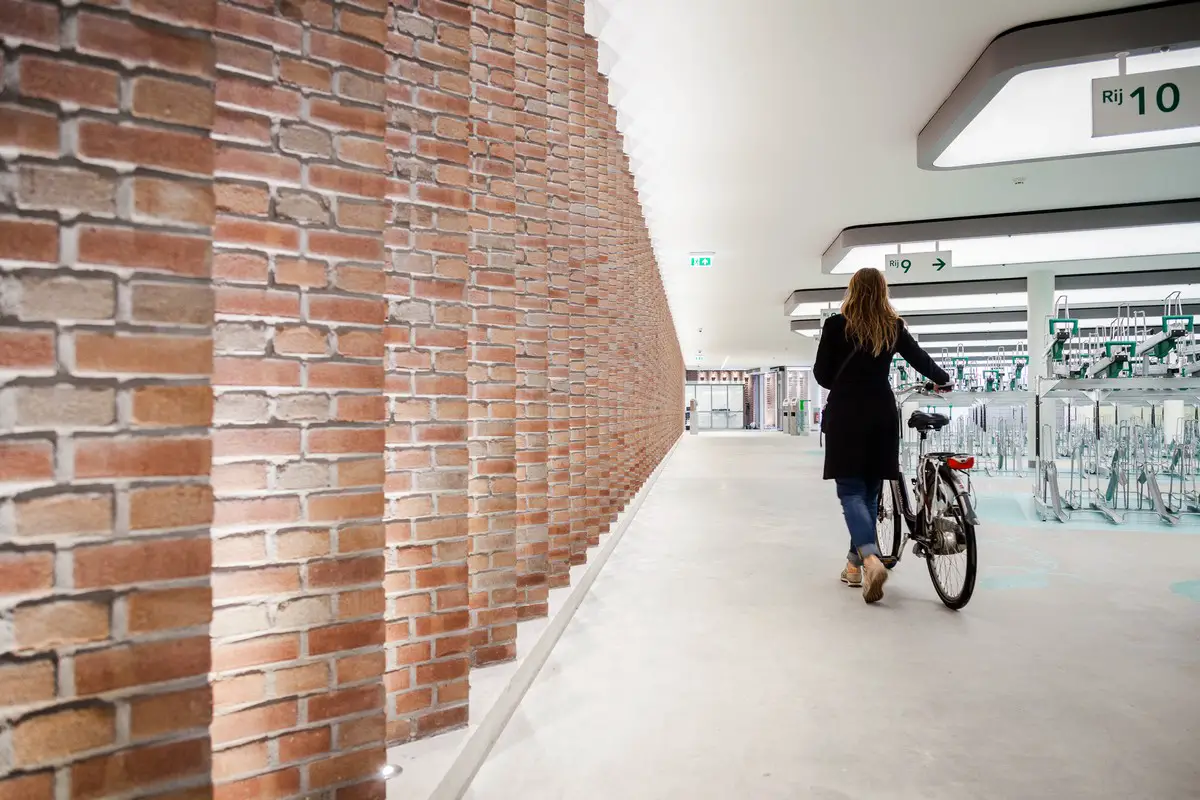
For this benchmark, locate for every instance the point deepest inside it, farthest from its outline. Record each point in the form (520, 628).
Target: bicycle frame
(931, 467)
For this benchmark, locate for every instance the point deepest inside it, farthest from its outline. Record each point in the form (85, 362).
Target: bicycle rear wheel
(953, 573)
(887, 525)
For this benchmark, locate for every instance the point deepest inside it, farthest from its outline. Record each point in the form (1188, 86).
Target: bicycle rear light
(961, 463)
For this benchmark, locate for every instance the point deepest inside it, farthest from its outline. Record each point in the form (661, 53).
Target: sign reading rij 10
(908, 263)
(1148, 101)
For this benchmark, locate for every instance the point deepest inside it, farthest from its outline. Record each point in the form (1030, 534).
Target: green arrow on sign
(939, 264)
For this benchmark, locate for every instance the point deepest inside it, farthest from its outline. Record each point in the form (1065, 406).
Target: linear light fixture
(1043, 237)
(1028, 96)
(1041, 248)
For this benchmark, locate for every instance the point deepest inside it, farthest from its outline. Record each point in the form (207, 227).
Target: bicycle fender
(949, 476)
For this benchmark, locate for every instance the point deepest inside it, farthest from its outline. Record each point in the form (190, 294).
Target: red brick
(304, 745)
(301, 272)
(241, 126)
(162, 252)
(348, 181)
(264, 235)
(142, 561)
(136, 43)
(120, 667)
(345, 703)
(27, 130)
(26, 460)
(345, 245)
(256, 511)
(341, 507)
(260, 372)
(28, 240)
(305, 73)
(236, 761)
(156, 715)
(174, 102)
(25, 572)
(138, 145)
(272, 786)
(45, 625)
(143, 457)
(183, 13)
(176, 355)
(65, 513)
(258, 27)
(346, 309)
(253, 722)
(362, 764)
(126, 770)
(167, 609)
(340, 50)
(256, 652)
(161, 508)
(241, 267)
(61, 81)
(243, 57)
(242, 162)
(28, 21)
(173, 406)
(340, 117)
(25, 682)
(258, 96)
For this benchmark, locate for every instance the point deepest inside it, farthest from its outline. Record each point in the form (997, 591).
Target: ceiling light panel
(1047, 113)
(915, 305)
(1039, 248)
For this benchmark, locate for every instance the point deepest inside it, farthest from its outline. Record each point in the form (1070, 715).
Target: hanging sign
(1148, 101)
(920, 262)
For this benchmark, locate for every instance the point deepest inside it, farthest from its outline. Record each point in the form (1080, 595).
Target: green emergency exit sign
(703, 260)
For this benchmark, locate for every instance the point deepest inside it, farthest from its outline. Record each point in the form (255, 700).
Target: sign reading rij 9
(923, 262)
(1149, 101)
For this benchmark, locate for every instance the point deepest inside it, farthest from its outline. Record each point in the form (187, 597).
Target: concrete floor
(718, 656)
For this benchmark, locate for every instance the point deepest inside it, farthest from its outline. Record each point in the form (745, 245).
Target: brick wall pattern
(331, 337)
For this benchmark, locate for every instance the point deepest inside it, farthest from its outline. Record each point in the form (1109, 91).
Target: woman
(861, 424)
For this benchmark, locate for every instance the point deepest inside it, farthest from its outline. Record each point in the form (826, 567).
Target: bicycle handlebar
(928, 388)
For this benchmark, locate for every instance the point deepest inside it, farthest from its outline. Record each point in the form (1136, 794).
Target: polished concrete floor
(718, 656)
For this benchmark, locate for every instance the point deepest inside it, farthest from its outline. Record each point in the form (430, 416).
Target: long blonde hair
(871, 322)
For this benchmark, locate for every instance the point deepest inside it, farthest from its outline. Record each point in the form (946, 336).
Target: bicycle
(939, 517)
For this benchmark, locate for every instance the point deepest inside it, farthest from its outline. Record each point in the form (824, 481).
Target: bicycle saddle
(928, 422)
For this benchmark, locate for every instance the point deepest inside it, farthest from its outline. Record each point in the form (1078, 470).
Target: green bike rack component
(1057, 353)
(1161, 349)
(1125, 368)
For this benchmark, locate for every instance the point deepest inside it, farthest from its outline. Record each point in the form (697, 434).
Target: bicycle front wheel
(887, 525)
(953, 558)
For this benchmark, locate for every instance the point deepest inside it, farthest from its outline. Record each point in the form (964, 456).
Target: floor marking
(1188, 589)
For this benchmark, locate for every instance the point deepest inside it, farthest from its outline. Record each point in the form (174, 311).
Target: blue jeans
(860, 505)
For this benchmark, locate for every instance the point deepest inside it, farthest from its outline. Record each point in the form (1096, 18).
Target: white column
(1172, 414)
(1040, 288)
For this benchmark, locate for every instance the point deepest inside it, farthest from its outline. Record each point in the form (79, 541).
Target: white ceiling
(759, 129)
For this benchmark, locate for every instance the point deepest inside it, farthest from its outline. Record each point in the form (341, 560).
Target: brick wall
(533, 306)
(299, 433)
(429, 135)
(106, 206)
(493, 335)
(443, 363)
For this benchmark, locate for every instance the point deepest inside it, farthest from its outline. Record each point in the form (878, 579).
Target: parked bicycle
(933, 509)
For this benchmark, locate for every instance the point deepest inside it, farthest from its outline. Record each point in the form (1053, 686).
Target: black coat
(861, 423)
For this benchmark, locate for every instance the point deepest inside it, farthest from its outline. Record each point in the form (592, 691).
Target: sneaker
(875, 575)
(852, 577)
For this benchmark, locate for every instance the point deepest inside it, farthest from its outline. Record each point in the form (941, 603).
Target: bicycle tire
(959, 508)
(888, 524)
